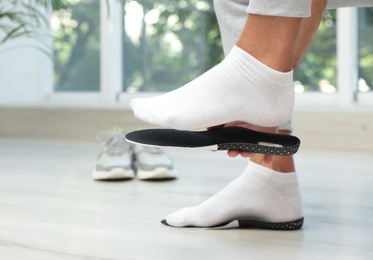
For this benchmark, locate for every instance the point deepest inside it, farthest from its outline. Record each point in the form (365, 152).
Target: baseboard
(317, 130)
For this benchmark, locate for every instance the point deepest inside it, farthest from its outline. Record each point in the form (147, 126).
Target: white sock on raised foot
(240, 88)
(259, 193)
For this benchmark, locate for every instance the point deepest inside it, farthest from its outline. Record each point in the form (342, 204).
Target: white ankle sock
(259, 193)
(240, 88)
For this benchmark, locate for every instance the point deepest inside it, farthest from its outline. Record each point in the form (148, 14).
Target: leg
(252, 84)
(308, 28)
(262, 191)
(273, 47)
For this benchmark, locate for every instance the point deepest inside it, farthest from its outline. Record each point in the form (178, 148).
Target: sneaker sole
(158, 173)
(113, 174)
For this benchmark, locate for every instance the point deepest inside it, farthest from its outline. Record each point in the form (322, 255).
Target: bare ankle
(271, 40)
(283, 164)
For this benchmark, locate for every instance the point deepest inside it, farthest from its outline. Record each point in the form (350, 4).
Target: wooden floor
(51, 209)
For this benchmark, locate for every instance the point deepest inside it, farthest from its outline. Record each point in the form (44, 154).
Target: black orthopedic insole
(227, 138)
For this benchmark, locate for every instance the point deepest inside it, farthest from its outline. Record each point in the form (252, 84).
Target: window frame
(112, 53)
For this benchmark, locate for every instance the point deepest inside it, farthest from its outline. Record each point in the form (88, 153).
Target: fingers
(214, 127)
(245, 154)
(235, 153)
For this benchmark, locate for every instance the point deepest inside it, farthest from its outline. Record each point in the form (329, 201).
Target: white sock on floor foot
(259, 193)
(240, 88)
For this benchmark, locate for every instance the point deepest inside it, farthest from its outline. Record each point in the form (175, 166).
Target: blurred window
(317, 71)
(76, 32)
(365, 82)
(168, 43)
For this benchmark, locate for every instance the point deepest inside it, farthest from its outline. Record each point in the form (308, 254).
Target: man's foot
(240, 88)
(114, 161)
(259, 195)
(152, 163)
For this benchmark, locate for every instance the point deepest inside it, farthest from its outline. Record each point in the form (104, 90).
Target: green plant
(24, 18)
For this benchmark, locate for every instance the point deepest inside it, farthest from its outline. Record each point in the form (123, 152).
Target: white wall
(26, 73)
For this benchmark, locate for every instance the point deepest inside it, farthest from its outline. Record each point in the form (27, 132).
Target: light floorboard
(51, 209)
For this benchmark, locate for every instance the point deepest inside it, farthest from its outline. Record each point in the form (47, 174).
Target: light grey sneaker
(152, 163)
(114, 160)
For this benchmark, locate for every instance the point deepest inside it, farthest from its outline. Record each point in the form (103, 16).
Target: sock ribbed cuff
(275, 77)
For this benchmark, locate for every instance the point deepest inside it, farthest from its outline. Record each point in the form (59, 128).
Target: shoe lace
(115, 142)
